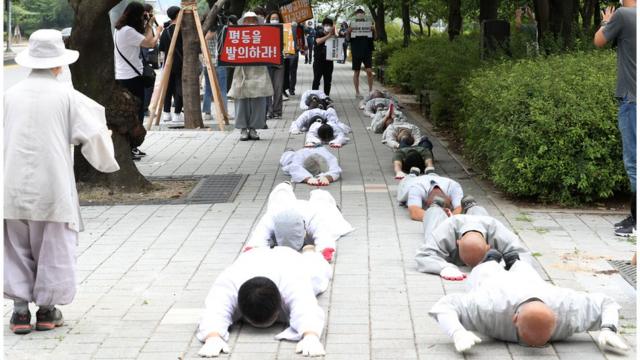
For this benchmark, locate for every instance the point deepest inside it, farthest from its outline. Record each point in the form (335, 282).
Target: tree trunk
(93, 75)
(455, 19)
(562, 21)
(406, 23)
(588, 14)
(542, 9)
(488, 10)
(420, 25)
(378, 12)
(191, 72)
(210, 22)
(428, 29)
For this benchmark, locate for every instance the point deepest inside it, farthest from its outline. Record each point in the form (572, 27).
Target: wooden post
(221, 112)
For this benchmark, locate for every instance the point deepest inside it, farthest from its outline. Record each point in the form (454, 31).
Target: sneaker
(285, 97)
(177, 118)
(437, 201)
(135, 157)
(207, 116)
(492, 255)
(253, 134)
(166, 116)
(20, 323)
(48, 319)
(510, 258)
(292, 92)
(276, 116)
(244, 135)
(624, 223)
(429, 170)
(468, 202)
(626, 231)
(136, 151)
(414, 171)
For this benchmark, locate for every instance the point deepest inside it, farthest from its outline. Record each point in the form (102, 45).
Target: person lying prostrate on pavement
(373, 106)
(418, 192)
(313, 166)
(308, 96)
(307, 118)
(324, 132)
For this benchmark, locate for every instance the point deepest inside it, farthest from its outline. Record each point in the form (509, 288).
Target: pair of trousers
(291, 73)
(322, 69)
(174, 91)
(136, 87)
(274, 104)
(627, 127)
(39, 262)
(221, 73)
(435, 215)
(251, 113)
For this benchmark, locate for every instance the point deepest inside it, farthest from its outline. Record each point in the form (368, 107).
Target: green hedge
(546, 128)
(437, 65)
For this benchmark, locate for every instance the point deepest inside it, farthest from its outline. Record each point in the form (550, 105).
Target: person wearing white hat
(250, 88)
(43, 116)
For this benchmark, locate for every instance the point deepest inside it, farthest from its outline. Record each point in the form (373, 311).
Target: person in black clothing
(174, 89)
(149, 56)
(323, 68)
(310, 35)
(361, 52)
(343, 34)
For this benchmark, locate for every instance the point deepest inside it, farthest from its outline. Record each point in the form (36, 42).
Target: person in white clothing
(404, 134)
(293, 223)
(43, 117)
(312, 98)
(520, 307)
(324, 132)
(373, 106)
(264, 286)
(313, 166)
(308, 117)
(418, 192)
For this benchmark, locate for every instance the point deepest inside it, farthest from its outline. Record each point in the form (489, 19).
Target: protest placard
(335, 49)
(250, 45)
(297, 10)
(361, 28)
(289, 45)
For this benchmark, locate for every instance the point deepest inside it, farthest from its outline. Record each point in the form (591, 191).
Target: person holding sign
(276, 72)
(323, 68)
(360, 35)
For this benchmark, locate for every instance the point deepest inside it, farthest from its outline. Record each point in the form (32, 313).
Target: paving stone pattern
(144, 271)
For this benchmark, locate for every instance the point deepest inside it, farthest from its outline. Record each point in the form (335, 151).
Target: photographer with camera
(150, 56)
(530, 29)
(619, 26)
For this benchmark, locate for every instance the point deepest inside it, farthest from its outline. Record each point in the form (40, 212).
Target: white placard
(361, 28)
(335, 49)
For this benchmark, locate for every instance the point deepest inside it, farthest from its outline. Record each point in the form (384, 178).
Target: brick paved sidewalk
(144, 271)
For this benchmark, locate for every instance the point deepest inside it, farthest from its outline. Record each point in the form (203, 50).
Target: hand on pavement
(323, 181)
(295, 132)
(608, 340)
(400, 175)
(465, 340)
(310, 345)
(335, 146)
(451, 273)
(213, 346)
(309, 145)
(328, 254)
(313, 181)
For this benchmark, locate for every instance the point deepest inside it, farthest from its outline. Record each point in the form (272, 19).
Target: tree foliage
(32, 15)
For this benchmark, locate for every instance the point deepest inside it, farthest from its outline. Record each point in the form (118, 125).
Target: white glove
(465, 340)
(452, 273)
(608, 340)
(310, 345)
(213, 346)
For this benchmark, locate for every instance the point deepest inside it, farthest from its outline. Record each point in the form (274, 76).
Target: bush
(439, 65)
(546, 127)
(383, 51)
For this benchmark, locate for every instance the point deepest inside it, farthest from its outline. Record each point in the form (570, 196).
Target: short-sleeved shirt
(361, 45)
(165, 44)
(128, 40)
(401, 154)
(319, 49)
(622, 29)
(419, 192)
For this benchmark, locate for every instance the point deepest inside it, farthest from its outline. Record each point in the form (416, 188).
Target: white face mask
(327, 29)
(273, 21)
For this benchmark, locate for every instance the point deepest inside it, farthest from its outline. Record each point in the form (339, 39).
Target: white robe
(423, 185)
(339, 137)
(324, 222)
(495, 294)
(370, 106)
(390, 134)
(42, 118)
(303, 99)
(292, 163)
(303, 122)
(299, 277)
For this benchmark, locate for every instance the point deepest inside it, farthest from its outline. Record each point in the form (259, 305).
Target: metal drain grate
(215, 189)
(627, 270)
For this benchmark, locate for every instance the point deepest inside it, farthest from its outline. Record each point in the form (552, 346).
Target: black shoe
(135, 157)
(624, 223)
(437, 201)
(510, 258)
(20, 323)
(48, 319)
(626, 231)
(244, 134)
(468, 202)
(292, 92)
(492, 255)
(136, 151)
(276, 116)
(253, 134)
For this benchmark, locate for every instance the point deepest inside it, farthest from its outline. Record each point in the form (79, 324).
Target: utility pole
(9, 30)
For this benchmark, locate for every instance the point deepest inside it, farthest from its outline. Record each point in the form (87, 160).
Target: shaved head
(472, 247)
(535, 323)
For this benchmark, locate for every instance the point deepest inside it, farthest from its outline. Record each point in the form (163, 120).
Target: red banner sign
(296, 10)
(251, 45)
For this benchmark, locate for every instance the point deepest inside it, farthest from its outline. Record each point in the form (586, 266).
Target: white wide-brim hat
(46, 51)
(248, 14)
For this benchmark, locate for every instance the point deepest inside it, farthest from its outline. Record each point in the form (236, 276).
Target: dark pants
(230, 70)
(309, 57)
(424, 142)
(136, 87)
(148, 92)
(322, 69)
(345, 45)
(291, 73)
(174, 91)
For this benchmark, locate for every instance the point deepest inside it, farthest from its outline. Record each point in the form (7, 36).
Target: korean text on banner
(361, 28)
(251, 45)
(289, 46)
(297, 10)
(335, 49)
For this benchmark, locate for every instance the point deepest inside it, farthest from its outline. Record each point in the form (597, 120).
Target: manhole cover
(215, 189)
(627, 270)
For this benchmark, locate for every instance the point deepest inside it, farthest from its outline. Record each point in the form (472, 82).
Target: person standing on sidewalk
(323, 68)
(276, 72)
(43, 117)
(310, 37)
(619, 26)
(361, 52)
(174, 88)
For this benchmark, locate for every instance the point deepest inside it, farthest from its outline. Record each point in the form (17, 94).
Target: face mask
(294, 24)
(327, 29)
(272, 21)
